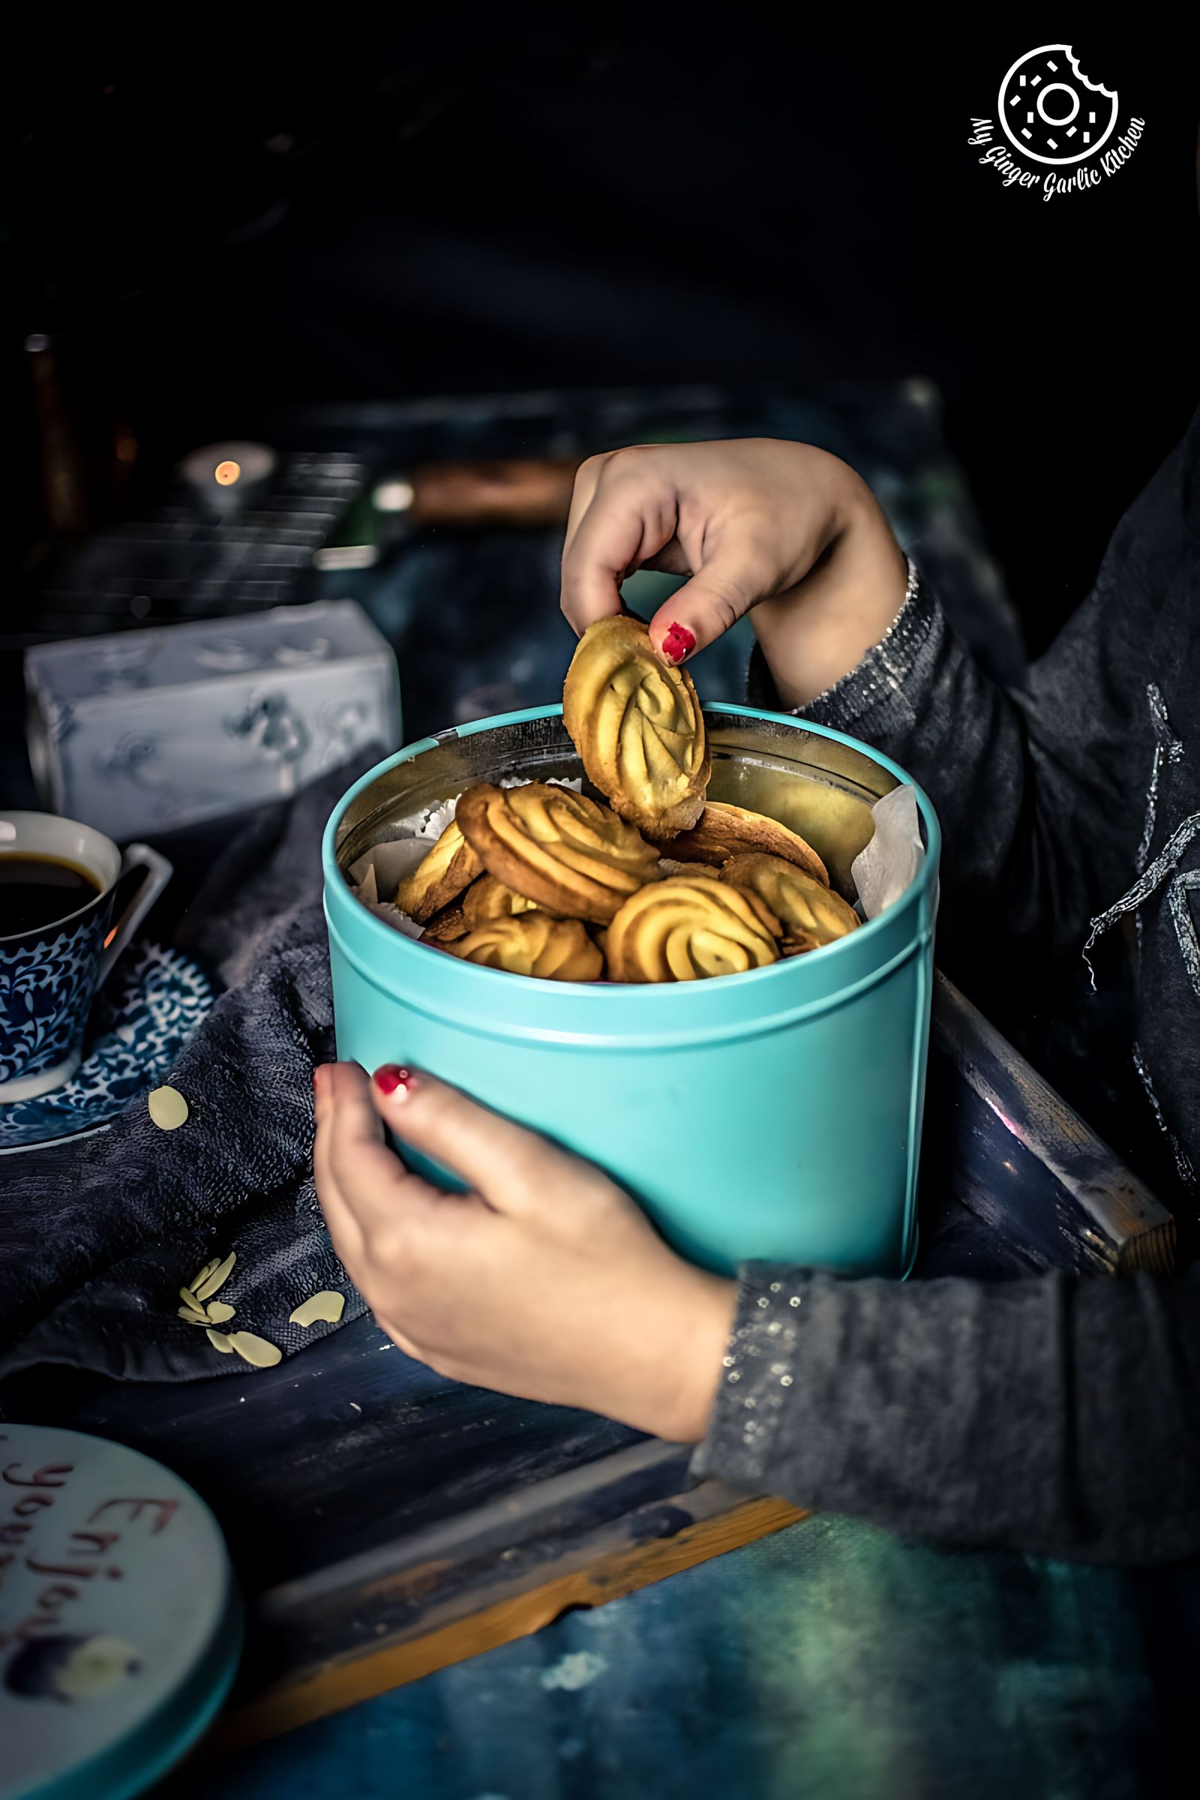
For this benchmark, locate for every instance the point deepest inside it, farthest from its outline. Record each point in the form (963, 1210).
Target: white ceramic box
(145, 731)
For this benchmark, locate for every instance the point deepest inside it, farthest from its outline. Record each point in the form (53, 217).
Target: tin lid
(120, 1625)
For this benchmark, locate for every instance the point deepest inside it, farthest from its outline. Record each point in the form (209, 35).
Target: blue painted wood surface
(830, 1662)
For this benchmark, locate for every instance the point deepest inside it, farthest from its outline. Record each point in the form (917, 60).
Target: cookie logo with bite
(1050, 111)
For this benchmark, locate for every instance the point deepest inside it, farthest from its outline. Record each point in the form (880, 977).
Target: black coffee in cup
(40, 890)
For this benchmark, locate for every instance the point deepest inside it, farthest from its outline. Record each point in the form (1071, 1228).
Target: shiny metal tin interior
(819, 787)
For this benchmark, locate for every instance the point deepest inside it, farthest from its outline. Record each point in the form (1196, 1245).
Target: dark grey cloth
(97, 1237)
(1050, 1414)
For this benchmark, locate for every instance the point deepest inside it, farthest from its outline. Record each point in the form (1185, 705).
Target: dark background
(211, 229)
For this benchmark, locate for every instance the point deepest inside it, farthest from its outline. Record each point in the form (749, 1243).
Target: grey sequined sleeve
(1050, 1415)
(1047, 1414)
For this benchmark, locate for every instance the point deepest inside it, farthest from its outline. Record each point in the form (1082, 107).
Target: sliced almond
(192, 1316)
(218, 1311)
(167, 1107)
(253, 1349)
(326, 1307)
(204, 1273)
(218, 1278)
(219, 1341)
(189, 1299)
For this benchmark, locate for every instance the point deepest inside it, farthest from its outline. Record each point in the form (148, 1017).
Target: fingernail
(678, 643)
(390, 1077)
(318, 1072)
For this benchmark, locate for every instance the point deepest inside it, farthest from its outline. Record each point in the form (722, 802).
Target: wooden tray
(385, 1523)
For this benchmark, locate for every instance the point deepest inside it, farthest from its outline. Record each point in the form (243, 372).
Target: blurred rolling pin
(516, 490)
(513, 491)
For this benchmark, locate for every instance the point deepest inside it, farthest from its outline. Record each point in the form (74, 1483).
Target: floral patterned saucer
(153, 1002)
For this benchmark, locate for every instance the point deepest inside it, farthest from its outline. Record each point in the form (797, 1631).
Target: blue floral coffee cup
(51, 967)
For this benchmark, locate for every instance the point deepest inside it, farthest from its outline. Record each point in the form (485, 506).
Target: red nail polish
(678, 643)
(390, 1076)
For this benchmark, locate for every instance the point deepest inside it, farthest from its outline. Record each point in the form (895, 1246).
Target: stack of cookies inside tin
(651, 883)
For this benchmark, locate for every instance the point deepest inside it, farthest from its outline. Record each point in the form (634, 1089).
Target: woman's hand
(545, 1280)
(786, 529)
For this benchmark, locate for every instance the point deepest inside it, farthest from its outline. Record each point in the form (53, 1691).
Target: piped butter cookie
(724, 830)
(557, 848)
(811, 914)
(440, 876)
(488, 899)
(684, 930)
(638, 726)
(533, 943)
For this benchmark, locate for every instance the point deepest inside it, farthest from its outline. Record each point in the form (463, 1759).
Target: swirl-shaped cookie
(724, 830)
(684, 930)
(812, 914)
(637, 725)
(488, 899)
(440, 876)
(534, 944)
(572, 857)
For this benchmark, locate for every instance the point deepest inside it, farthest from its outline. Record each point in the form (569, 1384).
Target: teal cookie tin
(775, 1114)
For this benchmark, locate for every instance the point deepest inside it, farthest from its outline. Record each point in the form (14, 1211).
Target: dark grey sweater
(1050, 1414)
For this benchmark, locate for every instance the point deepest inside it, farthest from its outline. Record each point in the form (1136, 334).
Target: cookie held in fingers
(440, 876)
(724, 830)
(811, 914)
(562, 851)
(533, 943)
(638, 726)
(488, 899)
(684, 929)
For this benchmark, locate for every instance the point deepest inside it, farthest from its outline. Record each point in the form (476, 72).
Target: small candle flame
(226, 473)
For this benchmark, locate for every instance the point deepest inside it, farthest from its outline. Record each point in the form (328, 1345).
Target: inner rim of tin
(817, 786)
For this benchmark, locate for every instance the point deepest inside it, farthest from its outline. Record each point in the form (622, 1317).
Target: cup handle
(158, 872)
